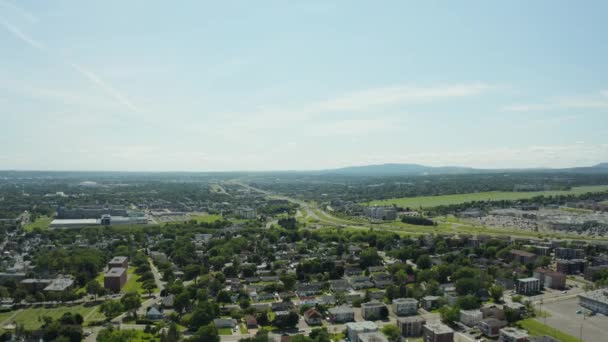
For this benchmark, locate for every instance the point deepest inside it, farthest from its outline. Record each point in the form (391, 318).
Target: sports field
(433, 201)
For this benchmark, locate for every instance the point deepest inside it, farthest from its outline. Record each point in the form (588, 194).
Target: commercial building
(527, 286)
(596, 301)
(115, 279)
(93, 211)
(437, 332)
(119, 262)
(380, 213)
(405, 306)
(353, 329)
(550, 279)
(373, 311)
(59, 285)
(411, 326)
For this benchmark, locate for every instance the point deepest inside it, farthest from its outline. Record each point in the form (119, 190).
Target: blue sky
(267, 85)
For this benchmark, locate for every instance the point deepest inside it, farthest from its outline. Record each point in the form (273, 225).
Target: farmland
(433, 201)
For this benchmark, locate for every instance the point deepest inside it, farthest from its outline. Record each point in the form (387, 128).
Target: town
(227, 261)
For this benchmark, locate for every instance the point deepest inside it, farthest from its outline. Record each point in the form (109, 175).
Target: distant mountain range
(417, 169)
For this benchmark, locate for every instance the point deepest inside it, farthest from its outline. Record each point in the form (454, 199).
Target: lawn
(32, 318)
(536, 328)
(433, 201)
(224, 331)
(42, 222)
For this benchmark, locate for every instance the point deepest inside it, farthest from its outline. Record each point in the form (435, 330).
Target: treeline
(538, 200)
(366, 188)
(417, 220)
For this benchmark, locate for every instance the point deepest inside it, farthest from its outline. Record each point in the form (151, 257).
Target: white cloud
(593, 101)
(360, 100)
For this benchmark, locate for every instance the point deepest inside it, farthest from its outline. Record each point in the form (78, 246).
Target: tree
(391, 332)
(320, 335)
(181, 302)
(496, 292)
(224, 297)
(131, 302)
(424, 262)
(111, 309)
(206, 333)
(203, 314)
(468, 302)
(149, 286)
(369, 257)
(95, 288)
(449, 314)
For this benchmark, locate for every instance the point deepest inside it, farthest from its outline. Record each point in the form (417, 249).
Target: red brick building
(115, 278)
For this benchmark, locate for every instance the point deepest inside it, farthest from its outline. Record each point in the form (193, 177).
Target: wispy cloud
(359, 100)
(21, 35)
(593, 101)
(94, 78)
(25, 14)
(91, 76)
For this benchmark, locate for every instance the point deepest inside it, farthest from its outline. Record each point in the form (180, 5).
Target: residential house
(313, 317)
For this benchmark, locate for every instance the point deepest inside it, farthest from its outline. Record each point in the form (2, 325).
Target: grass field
(205, 218)
(536, 328)
(433, 201)
(32, 318)
(42, 223)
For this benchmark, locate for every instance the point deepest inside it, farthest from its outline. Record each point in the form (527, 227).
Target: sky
(299, 85)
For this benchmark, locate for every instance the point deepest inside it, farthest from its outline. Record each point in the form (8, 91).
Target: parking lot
(563, 316)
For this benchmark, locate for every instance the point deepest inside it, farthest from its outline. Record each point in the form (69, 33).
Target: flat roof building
(437, 332)
(411, 326)
(596, 301)
(115, 279)
(119, 262)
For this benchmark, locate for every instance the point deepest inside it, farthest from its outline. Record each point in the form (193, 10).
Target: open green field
(536, 328)
(32, 318)
(433, 201)
(42, 223)
(205, 218)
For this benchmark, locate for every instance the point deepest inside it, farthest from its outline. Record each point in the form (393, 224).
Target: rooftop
(438, 328)
(115, 272)
(361, 326)
(600, 295)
